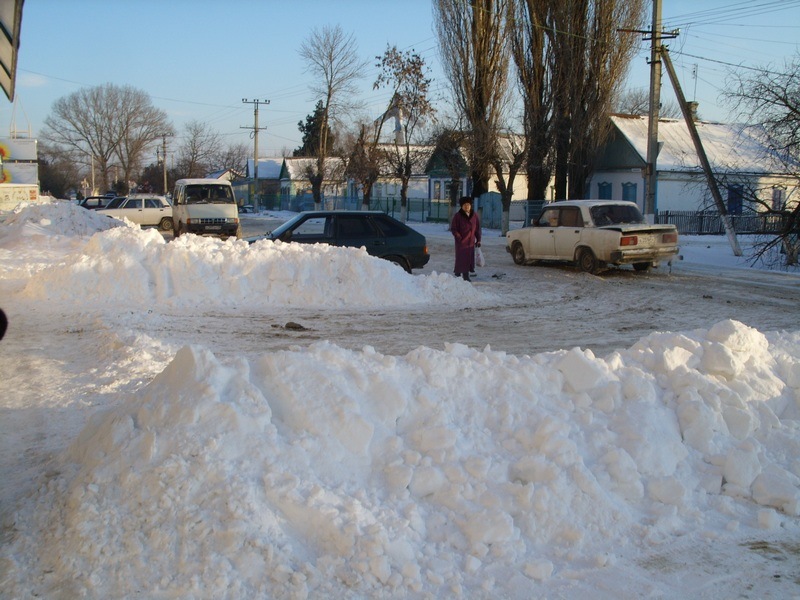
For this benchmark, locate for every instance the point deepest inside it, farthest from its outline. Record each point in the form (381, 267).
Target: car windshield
(209, 193)
(115, 202)
(615, 214)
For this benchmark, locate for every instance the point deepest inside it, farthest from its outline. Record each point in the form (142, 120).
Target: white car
(143, 209)
(593, 234)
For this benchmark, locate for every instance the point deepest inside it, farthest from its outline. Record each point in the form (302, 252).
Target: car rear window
(615, 214)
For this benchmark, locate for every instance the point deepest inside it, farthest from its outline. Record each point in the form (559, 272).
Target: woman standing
(466, 229)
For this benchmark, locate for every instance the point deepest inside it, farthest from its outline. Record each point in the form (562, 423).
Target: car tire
(587, 261)
(400, 262)
(641, 267)
(165, 224)
(518, 253)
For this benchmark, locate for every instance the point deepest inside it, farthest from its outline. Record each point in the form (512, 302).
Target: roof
(738, 148)
(296, 168)
(268, 168)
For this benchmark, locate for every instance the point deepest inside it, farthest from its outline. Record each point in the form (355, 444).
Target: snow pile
(125, 265)
(57, 218)
(325, 472)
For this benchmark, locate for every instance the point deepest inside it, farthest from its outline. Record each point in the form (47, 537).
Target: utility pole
(651, 180)
(701, 154)
(164, 155)
(255, 129)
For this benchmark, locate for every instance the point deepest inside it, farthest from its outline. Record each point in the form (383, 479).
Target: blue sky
(198, 59)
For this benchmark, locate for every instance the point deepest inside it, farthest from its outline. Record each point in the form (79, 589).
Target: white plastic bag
(479, 260)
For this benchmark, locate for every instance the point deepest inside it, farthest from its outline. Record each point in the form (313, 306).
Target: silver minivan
(205, 207)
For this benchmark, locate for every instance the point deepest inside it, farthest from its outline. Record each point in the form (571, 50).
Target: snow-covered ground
(149, 453)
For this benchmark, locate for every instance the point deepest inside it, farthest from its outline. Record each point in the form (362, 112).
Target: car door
(132, 210)
(542, 235)
(568, 233)
(153, 211)
(357, 231)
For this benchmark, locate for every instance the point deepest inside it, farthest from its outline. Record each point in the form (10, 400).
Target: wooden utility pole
(701, 154)
(255, 129)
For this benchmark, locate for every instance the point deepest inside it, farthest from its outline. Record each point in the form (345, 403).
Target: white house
(740, 161)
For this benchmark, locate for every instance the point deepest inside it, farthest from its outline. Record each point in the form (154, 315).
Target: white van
(205, 207)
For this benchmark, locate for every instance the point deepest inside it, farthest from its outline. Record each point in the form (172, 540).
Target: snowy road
(537, 308)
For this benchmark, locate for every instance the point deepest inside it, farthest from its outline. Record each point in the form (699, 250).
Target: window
(549, 218)
(133, 203)
(778, 198)
(571, 217)
(314, 227)
(604, 191)
(735, 199)
(388, 227)
(629, 192)
(152, 203)
(355, 227)
(437, 190)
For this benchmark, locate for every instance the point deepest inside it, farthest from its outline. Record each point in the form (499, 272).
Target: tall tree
(107, 126)
(475, 54)
(591, 58)
(404, 73)
(332, 58)
(533, 56)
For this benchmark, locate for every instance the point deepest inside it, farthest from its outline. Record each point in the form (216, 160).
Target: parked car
(143, 209)
(380, 234)
(247, 208)
(593, 234)
(94, 202)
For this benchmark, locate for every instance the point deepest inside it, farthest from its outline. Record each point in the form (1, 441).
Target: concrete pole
(651, 175)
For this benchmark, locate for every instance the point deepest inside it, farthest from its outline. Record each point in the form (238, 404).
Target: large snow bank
(115, 264)
(325, 472)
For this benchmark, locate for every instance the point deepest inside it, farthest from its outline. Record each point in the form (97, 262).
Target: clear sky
(198, 59)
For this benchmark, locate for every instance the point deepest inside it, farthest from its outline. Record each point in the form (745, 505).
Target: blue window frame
(604, 191)
(735, 194)
(629, 192)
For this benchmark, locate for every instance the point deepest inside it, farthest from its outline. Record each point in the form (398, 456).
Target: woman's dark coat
(466, 230)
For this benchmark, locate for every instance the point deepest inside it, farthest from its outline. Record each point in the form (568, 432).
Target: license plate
(214, 227)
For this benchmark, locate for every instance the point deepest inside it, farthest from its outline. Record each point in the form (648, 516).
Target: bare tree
(405, 74)
(366, 159)
(107, 127)
(475, 54)
(533, 57)
(139, 125)
(770, 100)
(637, 102)
(200, 146)
(591, 58)
(332, 58)
(232, 156)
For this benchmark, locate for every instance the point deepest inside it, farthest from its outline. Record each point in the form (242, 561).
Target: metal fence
(710, 222)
